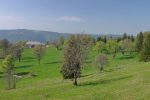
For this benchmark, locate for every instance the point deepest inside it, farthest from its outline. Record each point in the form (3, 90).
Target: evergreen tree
(145, 53)
(99, 38)
(124, 36)
(139, 42)
(105, 39)
(132, 38)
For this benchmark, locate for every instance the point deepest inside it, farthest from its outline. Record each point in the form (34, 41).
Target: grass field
(125, 78)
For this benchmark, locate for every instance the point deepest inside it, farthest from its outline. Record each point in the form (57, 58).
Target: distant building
(31, 44)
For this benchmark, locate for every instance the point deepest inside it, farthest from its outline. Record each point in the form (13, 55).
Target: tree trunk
(122, 53)
(9, 85)
(101, 68)
(39, 61)
(130, 53)
(19, 59)
(57, 48)
(75, 79)
(114, 54)
(14, 82)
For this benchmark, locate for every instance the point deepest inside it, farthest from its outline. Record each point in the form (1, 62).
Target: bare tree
(101, 61)
(62, 40)
(4, 44)
(127, 46)
(113, 47)
(17, 49)
(56, 44)
(39, 52)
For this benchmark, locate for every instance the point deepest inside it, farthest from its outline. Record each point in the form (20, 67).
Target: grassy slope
(123, 79)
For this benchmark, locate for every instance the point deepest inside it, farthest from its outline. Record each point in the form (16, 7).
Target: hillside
(125, 78)
(41, 36)
(24, 34)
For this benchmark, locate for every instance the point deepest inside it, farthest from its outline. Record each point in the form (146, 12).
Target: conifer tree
(145, 53)
(139, 42)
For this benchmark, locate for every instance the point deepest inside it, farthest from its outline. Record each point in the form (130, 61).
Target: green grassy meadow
(124, 78)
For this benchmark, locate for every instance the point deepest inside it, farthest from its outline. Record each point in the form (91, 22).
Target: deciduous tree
(4, 44)
(17, 50)
(145, 53)
(39, 52)
(101, 61)
(113, 47)
(127, 46)
(8, 66)
(100, 46)
(75, 53)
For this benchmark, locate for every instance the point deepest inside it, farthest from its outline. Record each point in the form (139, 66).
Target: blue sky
(74, 16)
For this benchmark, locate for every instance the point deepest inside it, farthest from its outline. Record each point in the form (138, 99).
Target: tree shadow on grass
(1, 73)
(22, 73)
(24, 66)
(126, 57)
(86, 75)
(110, 70)
(54, 62)
(26, 74)
(28, 58)
(88, 62)
(103, 81)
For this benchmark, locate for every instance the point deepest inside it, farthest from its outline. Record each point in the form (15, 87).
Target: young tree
(119, 39)
(39, 52)
(74, 55)
(145, 53)
(101, 61)
(139, 41)
(17, 49)
(8, 66)
(113, 47)
(127, 46)
(125, 36)
(105, 39)
(122, 47)
(56, 44)
(62, 40)
(99, 38)
(100, 46)
(132, 38)
(4, 44)
(102, 38)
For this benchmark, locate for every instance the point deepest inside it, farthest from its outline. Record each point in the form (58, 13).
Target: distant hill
(34, 35)
(24, 34)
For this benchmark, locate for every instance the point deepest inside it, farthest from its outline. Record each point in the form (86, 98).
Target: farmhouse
(31, 44)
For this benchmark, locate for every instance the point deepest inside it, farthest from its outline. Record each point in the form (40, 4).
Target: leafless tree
(39, 52)
(101, 61)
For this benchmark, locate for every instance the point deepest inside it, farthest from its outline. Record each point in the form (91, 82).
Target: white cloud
(70, 18)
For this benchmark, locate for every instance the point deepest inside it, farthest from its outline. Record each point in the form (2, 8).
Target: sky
(75, 16)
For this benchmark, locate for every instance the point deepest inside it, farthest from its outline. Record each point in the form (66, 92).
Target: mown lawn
(125, 78)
